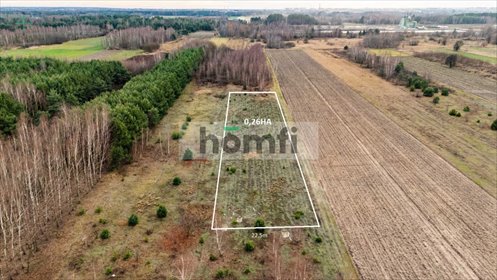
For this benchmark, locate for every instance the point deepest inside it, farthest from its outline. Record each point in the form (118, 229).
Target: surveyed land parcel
(259, 176)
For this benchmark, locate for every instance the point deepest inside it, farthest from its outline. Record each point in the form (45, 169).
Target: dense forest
(25, 31)
(143, 101)
(41, 35)
(105, 21)
(144, 38)
(60, 159)
(246, 67)
(264, 31)
(43, 85)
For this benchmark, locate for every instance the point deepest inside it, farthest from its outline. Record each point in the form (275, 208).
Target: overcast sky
(248, 4)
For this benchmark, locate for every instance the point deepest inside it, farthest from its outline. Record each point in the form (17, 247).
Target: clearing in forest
(259, 177)
(81, 49)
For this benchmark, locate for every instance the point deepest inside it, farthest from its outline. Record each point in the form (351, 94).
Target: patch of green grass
(71, 50)
(391, 52)
(489, 59)
(122, 54)
(68, 50)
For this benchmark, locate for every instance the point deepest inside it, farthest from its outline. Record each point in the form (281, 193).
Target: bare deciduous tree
(44, 170)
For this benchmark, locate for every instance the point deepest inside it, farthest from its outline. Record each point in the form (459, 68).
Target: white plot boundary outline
(296, 158)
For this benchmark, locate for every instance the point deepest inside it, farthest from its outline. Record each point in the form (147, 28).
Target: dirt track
(404, 212)
(469, 82)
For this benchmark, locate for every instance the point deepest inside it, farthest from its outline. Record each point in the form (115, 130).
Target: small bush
(445, 92)
(188, 118)
(176, 181)
(259, 223)
(212, 258)
(249, 246)
(345, 48)
(458, 45)
(489, 114)
(132, 220)
(412, 88)
(418, 82)
(494, 125)
(454, 113)
(318, 239)
(435, 90)
(428, 91)
(246, 271)
(436, 100)
(223, 273)
(201, 240)
(102, 221)
(451, 60)
(184, 126)
(298, 214)
(176, 135)
(127, 255)
(161, 212)
(81, 212)
(399, 67)
(108, 271)
(98, 210)
(105, 234)
(466, 109)
(188, 155)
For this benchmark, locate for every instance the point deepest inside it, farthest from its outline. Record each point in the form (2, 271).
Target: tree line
(138, 38)
(43, 85)
(143, 100)
(246, 67)
(24, 31)
(41, 35)
(384, 66)
(20, 18)
(60, 159)
(283, 30)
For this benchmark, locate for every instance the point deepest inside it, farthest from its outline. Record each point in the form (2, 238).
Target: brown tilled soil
(404, 212)
(464, 142)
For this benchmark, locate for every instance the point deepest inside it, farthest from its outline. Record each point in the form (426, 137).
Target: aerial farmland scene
(248, 140)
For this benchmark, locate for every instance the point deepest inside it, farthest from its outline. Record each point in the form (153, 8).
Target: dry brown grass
(170, 247)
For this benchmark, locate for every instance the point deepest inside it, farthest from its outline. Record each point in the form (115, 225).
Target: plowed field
(469, 82)
(404, 211)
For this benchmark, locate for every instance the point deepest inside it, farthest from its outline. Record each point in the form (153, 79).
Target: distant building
(407, 22)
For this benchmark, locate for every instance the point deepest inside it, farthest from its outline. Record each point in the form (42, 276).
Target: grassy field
(183, 242)
(230, 42)
(469, 54)
(261, 184)
(82, 49)
(391, 52)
